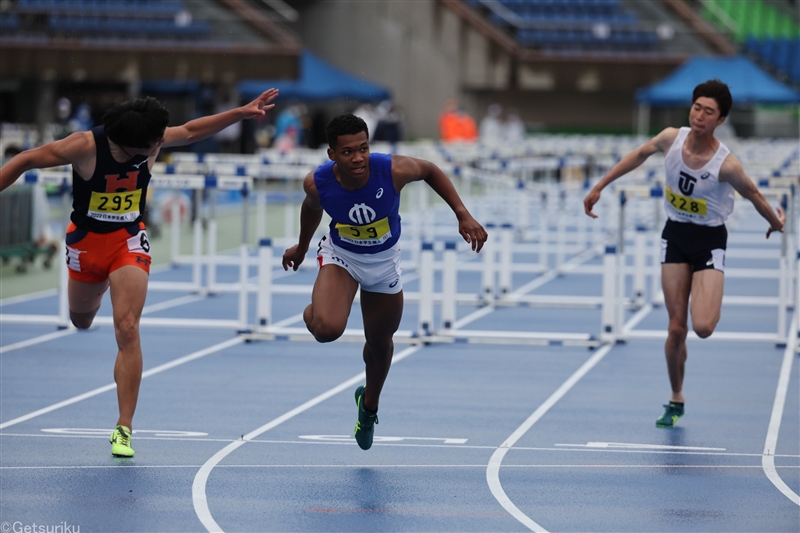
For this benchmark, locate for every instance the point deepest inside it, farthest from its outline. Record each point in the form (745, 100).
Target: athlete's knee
(703, 329)
(126, 328)
(324, 331)
(81, 320)
(677, 331)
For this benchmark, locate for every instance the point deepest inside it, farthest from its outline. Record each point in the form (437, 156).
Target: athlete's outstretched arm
(204, 127)
(659, 143)
(310, 217)
(733, 173)
(407, 169)
(74, 149)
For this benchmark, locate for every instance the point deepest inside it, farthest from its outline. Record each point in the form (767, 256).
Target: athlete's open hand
(293, 257)
(473, 232)
(782, 218)
(260, 106)
(588, 202)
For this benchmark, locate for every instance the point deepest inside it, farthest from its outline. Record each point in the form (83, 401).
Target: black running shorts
(703, 247)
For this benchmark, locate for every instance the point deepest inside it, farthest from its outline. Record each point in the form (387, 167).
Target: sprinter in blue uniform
(361, 193)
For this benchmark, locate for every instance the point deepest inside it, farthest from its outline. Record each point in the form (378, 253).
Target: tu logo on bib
(686, 183)
(361, 214)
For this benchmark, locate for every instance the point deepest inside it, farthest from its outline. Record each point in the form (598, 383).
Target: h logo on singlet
(115, 182)
(686, 183)
(361, 214)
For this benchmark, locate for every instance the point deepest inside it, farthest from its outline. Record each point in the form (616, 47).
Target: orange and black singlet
(114, 197)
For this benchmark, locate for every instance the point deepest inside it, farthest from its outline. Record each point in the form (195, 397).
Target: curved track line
(768, 459)
(201, 478)
(493, 469)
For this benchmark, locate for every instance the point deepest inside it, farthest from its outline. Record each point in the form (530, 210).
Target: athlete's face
(704, 115)
(352, 155)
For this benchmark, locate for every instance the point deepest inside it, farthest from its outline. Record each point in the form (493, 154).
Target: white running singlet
(696, 196)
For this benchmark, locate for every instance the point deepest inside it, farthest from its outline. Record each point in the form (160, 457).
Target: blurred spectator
(316, 137)
(230, 139)
(63, 112)
(82, 119)
(289, 140)
(513, 127)
(455, 124)
(390, 123)
(292, 117)
(10, 151)
(369, 115)
(491, 125)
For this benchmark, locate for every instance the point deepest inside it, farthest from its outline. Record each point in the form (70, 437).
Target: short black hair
(348, 124)
(717, 90)
(138, 123)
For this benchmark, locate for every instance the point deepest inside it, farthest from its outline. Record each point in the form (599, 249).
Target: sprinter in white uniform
(701, 177)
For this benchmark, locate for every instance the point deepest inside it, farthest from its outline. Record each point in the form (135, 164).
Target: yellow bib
(693, 206)
(368, 235)
(115, 206)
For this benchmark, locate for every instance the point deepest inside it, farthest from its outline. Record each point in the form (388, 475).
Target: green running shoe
(673, 411)
(121, 442)
(365, 425)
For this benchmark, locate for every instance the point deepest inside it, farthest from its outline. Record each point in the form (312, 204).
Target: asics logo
(705, 175)
(380, 193)
(361, 214)
(710, 262)
(393, 284)
(686, 183)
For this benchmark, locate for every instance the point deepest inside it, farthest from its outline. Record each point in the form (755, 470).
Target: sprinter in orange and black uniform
(107, 244)
(107, 231)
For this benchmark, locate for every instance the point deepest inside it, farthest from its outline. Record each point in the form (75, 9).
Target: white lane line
(106, 388)
(493, 469)
(183, 300)
(378, 466)
(201, 478)
(404, 445)
(28, 297)
(37, 340)
(768, 458)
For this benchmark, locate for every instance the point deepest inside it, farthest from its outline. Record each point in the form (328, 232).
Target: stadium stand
(87, 19)
(577, 25)
(766, 31)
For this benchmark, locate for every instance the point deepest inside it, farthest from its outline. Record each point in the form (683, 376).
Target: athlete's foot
(365, 424)
(121, 442)
(672, 412)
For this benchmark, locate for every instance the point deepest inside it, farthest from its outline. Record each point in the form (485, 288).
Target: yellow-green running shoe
(121, 442)
(365, 424)
(672, 412)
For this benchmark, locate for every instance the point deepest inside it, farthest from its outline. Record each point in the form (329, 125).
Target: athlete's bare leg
(382, 314)
(676, 282)
(84, 301)
(128, 293)
(331, 302)
(706, 302)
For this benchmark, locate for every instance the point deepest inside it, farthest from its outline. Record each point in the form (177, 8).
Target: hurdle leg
(449, 286)
(506, 258)
(211, 243)
(425, 319)
(264, 307)
(608, 331)
(197, 252)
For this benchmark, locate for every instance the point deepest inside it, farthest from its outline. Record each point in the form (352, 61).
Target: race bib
(115, 206)
(691, 206)
(368, 235)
